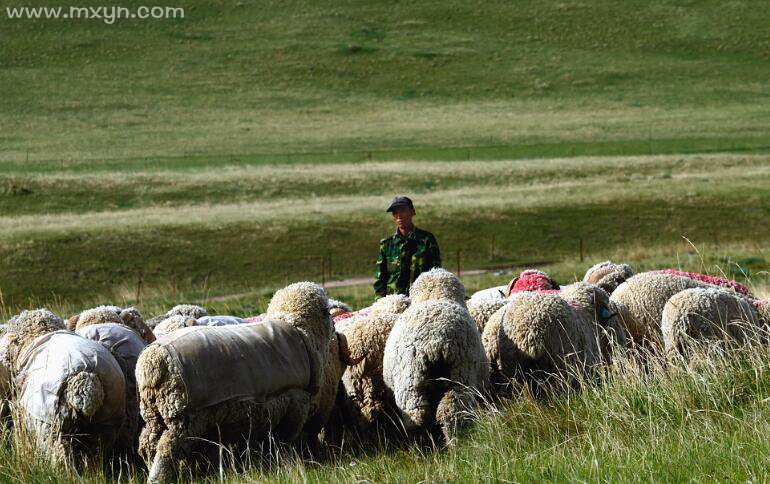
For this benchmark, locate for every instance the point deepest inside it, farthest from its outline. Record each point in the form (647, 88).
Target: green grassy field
(239, 79)
(247, 145)
(215, 158)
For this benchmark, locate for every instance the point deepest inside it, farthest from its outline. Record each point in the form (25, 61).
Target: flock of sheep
(310, 369)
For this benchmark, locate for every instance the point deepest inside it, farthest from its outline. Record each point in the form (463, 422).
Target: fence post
(139, 287)
(581, 249)
(492, 249)
(458, 263)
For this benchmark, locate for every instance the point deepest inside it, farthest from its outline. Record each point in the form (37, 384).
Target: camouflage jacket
(402, 259)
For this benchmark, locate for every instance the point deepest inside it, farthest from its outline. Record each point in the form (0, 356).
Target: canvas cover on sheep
(219, 321)
(239, 362)
(119, 339)
(45, 366)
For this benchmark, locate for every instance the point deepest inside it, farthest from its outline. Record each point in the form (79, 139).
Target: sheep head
(305, 306)
(132, 318)
(392, 304)
(338, 307)
(531, 280)
(27, 326)
(608, 275)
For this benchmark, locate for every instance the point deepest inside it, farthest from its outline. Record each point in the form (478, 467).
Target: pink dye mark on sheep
(344, 316)
(532, 280)
(715, 280)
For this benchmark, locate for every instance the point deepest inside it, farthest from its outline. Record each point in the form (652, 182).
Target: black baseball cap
(400, 201)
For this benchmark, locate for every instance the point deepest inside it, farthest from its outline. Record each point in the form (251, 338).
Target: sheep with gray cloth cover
(129, 317)
(125, 345)
(70, 390)
(434, 362)
(233, 383)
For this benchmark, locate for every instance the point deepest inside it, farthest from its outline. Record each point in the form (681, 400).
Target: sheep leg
(413, 395)
(290, 411)
(452, 413)
(174, 445)
(148, 439)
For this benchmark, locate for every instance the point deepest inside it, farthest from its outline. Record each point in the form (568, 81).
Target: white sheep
(368, 404)
(173, 323)
(546, 338)
(640, 300)
(70, 390)
(233, 383)
(434, 362)
(701, 315)
(483, 309)
(190, 310)
(390, 304)
(608, 275)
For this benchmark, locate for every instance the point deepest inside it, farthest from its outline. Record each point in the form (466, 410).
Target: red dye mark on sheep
(714, 280)
(532, 280)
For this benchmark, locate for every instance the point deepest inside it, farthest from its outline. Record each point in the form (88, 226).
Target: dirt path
(353, 281)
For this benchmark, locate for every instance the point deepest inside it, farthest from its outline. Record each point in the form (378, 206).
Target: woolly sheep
(235, 382)
(338, 307)
(531, 280)
(703, 314)
(112, 314)
(709, 279)
(434, 362)
(541, 335)
(189, 310)
(368, 404)
(125, 345)
(527, 280)
(173, 323)
(608, 275)
(83, 406)
(483, 309)
(640, 301)
(322, 404)
(390, 304)
(437, 285)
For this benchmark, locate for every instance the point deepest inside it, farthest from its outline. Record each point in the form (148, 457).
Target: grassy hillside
(85, 237)
(214, 158)
(239, 78)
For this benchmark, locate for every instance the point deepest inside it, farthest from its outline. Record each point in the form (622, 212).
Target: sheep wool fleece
(640, 302)
(708, 314)
(430, 341)
(238, 362)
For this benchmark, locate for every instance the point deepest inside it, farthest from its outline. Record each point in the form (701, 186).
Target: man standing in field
(405, 254)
